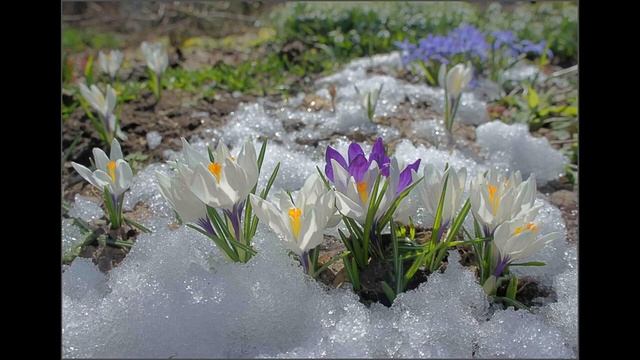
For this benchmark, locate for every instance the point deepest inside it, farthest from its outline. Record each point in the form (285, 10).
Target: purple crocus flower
(358, 163)
(354, 179)
(405, 176)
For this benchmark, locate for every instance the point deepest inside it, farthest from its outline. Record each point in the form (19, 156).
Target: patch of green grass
(130, 90)
(258, 77)
(352, 30)
(77, 40)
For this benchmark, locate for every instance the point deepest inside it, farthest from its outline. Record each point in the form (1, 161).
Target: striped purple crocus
(354, 178)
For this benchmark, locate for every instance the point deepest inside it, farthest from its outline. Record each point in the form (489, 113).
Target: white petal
(270, 215)
(85, 173)
(124, 175)
(100, 159)
(312, 232)
(348, 208)
(116, 151)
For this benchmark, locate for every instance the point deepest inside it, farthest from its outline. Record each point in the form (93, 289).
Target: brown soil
(173, 117)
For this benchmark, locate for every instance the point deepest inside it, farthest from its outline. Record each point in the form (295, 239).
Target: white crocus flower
(110, 63)
(192, 158)
(518, 239)
(113, 171)
(515, 240)
(300, 218)
(226, 181)
(176, 191)
(156, 57)
(455, 80)
(430, 191)
(104, 105)
(496, 199)
(353, 197)
(369, 100)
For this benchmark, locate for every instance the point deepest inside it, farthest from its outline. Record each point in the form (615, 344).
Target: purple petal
(333, 154)
(405, 176)
(205, 224)
(378, 155)
(354, 150)
(235, 215)
(502, 264)
(358, 167)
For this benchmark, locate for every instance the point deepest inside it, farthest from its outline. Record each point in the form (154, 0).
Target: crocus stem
(446, 109)
(487, 255)
(304, 259)
(158, 87)
(455, 110)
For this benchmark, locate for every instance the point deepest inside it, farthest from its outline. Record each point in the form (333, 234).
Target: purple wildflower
(358, 164)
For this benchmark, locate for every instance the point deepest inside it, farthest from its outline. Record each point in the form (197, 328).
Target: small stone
(564, 198)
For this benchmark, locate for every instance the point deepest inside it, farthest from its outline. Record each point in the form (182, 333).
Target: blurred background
(222, 53)
(302, 38)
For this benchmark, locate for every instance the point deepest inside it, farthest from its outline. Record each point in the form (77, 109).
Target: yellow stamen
(216, 169)
(362, 191)
(494, 201)
(517, 231)
(529, 227)
(294, 216)
(111, 167)
(532, 227)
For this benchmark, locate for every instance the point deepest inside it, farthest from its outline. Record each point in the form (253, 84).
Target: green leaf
(514, 303)
(351, 269)
(392, 209)
(512, 288)
(211, 157)
(438, 218)
(137, 225)
(324, 179)
(414, 267)
(222, 229)
(530, 263)
(263, 150)
(532, 98)
(397, 262)
(476, 228)
(388, 291)
(353, 242)
(263, 195)
(428, 74)
(412, 229)
(219, 242)
(111, 208)
(346, 241)
(371, 211)
(270, 182)
(244, 247)
(457, 222)
(326, 265)
(570, 111)
(88, 70)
